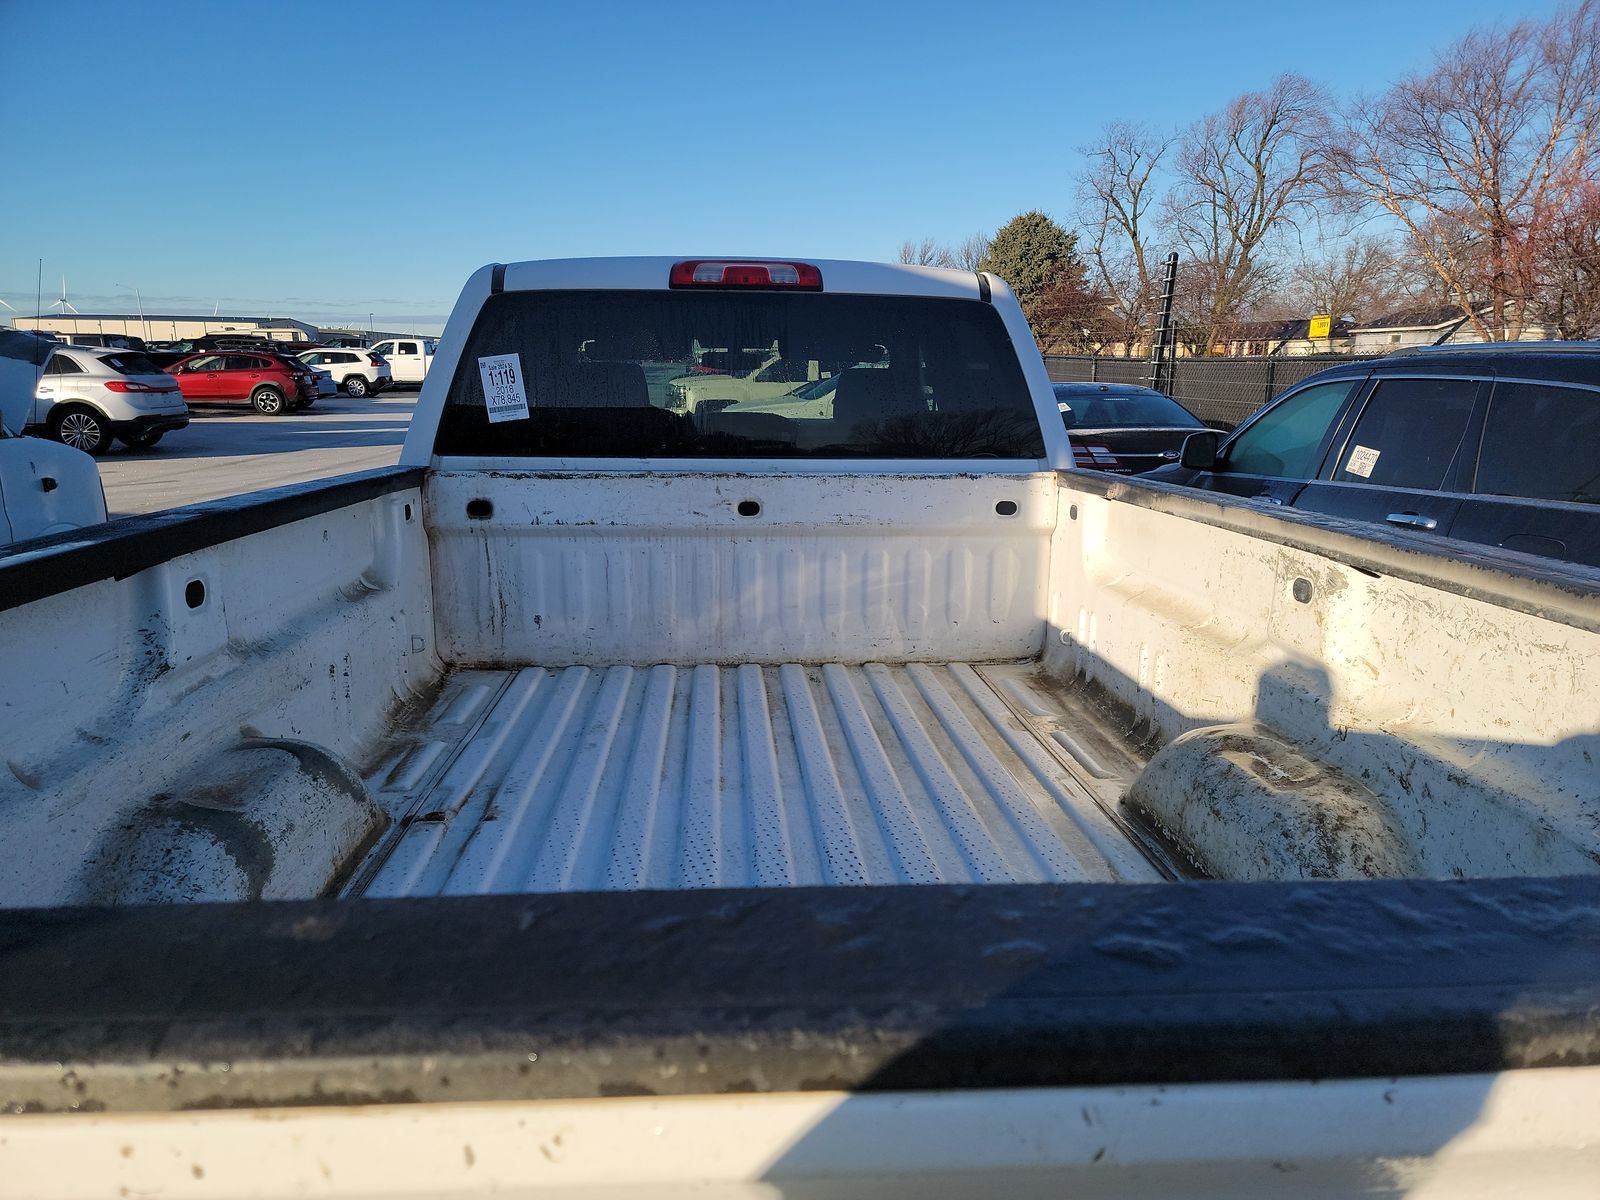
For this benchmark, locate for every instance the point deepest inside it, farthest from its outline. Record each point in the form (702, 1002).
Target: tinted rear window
(1092, 410)
(614, 374)
(131, 363)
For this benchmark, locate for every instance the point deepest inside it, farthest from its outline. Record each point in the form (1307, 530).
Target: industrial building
(167, 328)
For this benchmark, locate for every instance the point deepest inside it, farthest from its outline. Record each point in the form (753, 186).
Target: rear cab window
(743, 374)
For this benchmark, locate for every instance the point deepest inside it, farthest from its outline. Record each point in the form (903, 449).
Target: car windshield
(131, 363)
(1103, 410)
(609, 374)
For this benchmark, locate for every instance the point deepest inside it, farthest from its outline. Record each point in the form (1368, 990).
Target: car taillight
(129, 385)
(1096, 457)
(759, 273)
(374, 360)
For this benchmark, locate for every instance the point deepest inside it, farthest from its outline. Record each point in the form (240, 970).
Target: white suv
(358, 372)
(86, 397)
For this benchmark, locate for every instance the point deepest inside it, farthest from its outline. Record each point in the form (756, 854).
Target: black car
(1122, 427)
(1489, 443)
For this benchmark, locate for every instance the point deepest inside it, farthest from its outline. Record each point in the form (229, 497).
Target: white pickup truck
(854, 800)
(409, 359)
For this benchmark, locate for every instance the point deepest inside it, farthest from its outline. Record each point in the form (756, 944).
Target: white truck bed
(585, 779)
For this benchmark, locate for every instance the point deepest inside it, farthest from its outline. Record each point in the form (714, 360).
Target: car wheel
(355, 386)
(82, 429)
(141, 441)
(268, 401)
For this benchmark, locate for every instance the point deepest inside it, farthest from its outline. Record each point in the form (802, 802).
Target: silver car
(88, 396)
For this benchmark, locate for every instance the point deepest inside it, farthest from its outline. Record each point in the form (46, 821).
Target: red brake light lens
(1088, 454)
(757, 273)
(129, 385)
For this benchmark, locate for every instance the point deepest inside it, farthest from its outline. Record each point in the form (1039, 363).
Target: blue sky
(332, 159)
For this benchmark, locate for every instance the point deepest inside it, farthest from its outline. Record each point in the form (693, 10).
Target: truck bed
(663, 777)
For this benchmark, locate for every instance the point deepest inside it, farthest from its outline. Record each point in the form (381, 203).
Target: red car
(271, 383)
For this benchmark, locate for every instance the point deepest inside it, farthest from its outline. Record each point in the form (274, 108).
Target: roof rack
(1501, 348)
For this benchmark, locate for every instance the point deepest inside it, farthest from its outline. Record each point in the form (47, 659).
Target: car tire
(82, 428)
(355, 386)
(268, 402)
(141, 441)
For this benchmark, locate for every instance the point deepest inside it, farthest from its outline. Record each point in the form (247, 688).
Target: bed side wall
(114, 692)
(1459, 685)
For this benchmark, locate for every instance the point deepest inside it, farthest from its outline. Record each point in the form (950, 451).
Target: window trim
(1471, 433)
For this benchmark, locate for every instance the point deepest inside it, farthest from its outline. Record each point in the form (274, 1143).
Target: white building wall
(169, 328)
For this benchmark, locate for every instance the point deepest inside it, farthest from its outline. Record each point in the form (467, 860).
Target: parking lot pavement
(231, 449)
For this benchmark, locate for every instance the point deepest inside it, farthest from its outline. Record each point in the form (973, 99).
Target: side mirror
(1200, 450)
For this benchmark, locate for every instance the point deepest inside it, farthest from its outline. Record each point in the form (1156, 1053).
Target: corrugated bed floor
(585, 778)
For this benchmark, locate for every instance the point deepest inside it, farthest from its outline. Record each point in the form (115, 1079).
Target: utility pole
(1165, 346)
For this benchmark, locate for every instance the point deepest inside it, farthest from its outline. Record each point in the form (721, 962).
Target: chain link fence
(1220, 390)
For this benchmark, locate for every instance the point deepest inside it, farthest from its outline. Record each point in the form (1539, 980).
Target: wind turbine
(64, 304)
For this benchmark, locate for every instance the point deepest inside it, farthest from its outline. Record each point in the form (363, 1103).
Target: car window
(407, 347)
(313, 359)
(1283, 441)
(212, 362)
(1093, 409)
(1539, 441)
(130, 362)
(67, 366)
(1409, 433)
(383, 348)
(243, 362)
(608, 374)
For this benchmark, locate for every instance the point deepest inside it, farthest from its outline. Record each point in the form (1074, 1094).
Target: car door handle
(1411, 520)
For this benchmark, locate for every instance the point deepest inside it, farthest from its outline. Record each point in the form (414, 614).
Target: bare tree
(1569, 270)
(1244, 177)
(972, 250)
(964, 256)
(1117, 190)
(1355, 276)
(1479, 158)
(926, 253)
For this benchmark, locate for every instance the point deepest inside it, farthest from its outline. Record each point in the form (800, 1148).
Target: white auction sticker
(502, 387)
(1362, 460)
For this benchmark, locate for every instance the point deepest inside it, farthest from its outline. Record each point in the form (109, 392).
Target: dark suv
(1489, 443)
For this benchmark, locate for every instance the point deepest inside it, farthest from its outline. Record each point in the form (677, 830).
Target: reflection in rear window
(745, 375)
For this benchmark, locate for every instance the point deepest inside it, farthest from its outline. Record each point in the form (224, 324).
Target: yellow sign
(1321, 327)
